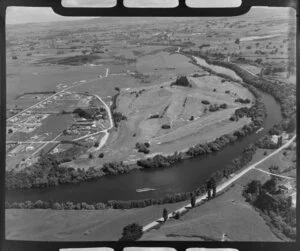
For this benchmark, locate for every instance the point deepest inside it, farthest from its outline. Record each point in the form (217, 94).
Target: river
(184, 176)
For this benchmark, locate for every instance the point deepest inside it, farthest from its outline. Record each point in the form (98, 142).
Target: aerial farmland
(139, 117)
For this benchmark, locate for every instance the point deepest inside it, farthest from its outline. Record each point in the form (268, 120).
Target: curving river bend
(184, 176)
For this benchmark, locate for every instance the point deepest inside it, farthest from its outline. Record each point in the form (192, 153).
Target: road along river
(184, 176)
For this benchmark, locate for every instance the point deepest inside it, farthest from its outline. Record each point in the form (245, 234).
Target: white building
(274, 139)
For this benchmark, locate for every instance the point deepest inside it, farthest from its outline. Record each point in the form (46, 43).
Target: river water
(184, 176)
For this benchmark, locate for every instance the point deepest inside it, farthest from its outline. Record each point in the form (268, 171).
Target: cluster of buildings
(26, 122)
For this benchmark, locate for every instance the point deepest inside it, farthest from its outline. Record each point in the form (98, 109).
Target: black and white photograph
(150, 128)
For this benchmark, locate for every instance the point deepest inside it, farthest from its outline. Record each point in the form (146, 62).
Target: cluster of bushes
(205, 102)
(143, 147)
(266, 143)
(270, 69)
(90, 113)
(114, 168)
(182, 81)
(288, 125)
(114, 102)
(159, 161)
(216, 145)
(257, 112)
(271, 202)
(216, 107)
(242, 101)
(153, 116)
(165, 126)
(137, 93)
(204, 45)
(118, 117)
(132, 232)
(55, 205)
(196, 75)
(48, 172)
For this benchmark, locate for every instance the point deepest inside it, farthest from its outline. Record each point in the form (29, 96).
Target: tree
(193, 200)
(165, 214)
(96, 144)
(208, 194)
(291, 125)
(270, 185)
(214, 187)
(10, 131)
(117, 89)
(132, 232)
(101, 155)
(91, 156)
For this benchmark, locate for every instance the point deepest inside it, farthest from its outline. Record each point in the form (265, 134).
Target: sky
(19, 15)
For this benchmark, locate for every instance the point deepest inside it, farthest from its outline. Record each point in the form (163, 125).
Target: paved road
(106, 136)
(43, 146)
(220, 187)
(246, 70)
(273, 174)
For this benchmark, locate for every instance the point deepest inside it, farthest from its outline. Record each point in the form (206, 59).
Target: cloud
(21, 15)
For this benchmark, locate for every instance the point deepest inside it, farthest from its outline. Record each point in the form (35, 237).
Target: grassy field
(214, 218)
(190, 120)
(72, 225)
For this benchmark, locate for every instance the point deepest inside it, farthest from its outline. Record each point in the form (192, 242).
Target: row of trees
(242, 101)
(48, 172)
(117, 116)
(39, 204)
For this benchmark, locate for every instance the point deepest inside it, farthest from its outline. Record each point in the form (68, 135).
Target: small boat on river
(146, 189)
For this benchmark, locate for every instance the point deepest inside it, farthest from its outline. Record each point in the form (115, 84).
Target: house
(287, 187)
(274, 139)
